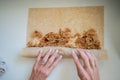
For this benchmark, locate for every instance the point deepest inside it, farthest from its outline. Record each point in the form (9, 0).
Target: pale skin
(44, 66)
(86, 65)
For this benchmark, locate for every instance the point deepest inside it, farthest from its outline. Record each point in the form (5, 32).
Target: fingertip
(61, 57)
(86, 52)
(82, 50)
(40, 51)
(50, 50)
(73, 53)
(79, 51)
(56, 51)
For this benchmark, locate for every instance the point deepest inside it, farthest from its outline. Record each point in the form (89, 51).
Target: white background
(13, 24)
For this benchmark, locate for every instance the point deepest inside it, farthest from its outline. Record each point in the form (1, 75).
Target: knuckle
(44, 60)
(39, 70)
(45, 73)
(54, 55)
(35, 69)
(84, 78)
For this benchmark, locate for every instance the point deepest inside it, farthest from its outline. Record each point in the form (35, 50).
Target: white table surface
(13, 23)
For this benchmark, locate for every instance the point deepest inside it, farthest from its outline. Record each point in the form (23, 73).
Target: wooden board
(78, 19)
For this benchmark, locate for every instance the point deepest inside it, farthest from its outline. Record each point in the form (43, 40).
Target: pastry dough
(77, 19)
(32, 52)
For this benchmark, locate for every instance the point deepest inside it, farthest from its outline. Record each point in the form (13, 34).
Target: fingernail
(78, 50)
(73, 51)
(40, 51)
(61, 56)
(82, 50)
(87, 51)
(50, 50)
(56, 51)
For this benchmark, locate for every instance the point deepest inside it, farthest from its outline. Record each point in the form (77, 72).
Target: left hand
(44, 66)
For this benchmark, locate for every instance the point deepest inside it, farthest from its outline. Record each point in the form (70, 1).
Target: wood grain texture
(78, 19)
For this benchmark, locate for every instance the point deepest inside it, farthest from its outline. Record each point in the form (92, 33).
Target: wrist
(37, 77)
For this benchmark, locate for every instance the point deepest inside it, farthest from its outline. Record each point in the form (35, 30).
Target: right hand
(86, 65)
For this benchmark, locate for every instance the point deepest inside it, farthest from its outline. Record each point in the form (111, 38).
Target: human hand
(86, 65)
(44, 66)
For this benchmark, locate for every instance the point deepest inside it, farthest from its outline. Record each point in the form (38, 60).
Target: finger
(38, 59)
(96, 71)
(91, 59)
(90, 69)
(55, 63)
(76, 60)
(81, 61)
(84, 58)
(95, 60)
(81, 71)
(39, 55)
(78, 64)
(52, 58)
(46, 56)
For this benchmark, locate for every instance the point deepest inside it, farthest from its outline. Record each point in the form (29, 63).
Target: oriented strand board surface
(77, 19)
